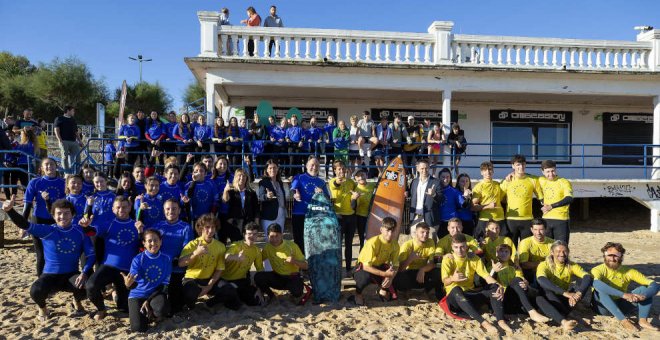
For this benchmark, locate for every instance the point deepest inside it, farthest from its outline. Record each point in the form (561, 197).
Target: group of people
(253, 20)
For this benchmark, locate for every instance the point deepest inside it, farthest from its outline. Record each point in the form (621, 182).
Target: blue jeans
(604, 304)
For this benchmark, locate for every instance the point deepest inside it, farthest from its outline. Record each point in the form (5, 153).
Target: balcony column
(210, 101)
(654, 57)
(446, 125)
(442, 36)
(208, 22)
(655, 172)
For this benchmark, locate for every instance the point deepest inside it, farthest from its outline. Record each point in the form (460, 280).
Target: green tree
(15, 81)
(142, 96)
(193, 92)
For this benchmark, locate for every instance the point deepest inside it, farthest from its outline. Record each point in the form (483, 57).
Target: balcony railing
(439, 46)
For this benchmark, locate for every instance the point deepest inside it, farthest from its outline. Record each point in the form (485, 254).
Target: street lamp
(140, 60)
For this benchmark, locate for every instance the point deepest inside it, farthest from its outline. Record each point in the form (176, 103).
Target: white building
(509, 94)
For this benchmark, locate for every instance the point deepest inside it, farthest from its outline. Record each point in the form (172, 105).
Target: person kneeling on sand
(458, 270)
(554, 276)
(63, 243)
(417, 267)
(286, 260)
(611, 295)
(378, 263)
(241, 255)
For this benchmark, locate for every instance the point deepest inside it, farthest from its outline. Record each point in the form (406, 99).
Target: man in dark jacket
(425, 197)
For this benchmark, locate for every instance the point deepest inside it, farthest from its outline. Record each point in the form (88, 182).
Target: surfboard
(389, 198)
(323, 249)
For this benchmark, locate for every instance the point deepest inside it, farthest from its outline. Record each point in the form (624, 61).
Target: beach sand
(416, 317)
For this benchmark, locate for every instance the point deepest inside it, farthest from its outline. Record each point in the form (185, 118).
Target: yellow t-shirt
(277, 256)
(487, 192)
(519, 193)
(619, 278)
(444, 245)
(239, 270)
(426, 252)
(468, 265)
(561, 274)
(341, 196)
(491, 244)
(204, 266)
(507, 274)
(41, 141)
(377, 252)
(363, 202)
(530, 250)
(553, 192)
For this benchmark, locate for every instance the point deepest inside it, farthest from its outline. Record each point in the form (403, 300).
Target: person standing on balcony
(224, 21)
(273, 20)
(66, 132)
(557, 195)
(253, 20)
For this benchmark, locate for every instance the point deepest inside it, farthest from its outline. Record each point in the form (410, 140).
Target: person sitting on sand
(534, 249)
(286, 260)
(554, 276)
(205, 259)
(492, 240)
(517, 288)
(611, 295)
(240, 257)
(63, 244)
(148, 280)
(457, 272)
(378, 263)
(455, 227)
(417, 267)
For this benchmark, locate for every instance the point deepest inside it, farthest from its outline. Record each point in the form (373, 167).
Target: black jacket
(247, 211)
(431, 205)
(269, 207)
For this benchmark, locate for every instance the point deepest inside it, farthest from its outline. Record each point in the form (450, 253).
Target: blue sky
(104, 33)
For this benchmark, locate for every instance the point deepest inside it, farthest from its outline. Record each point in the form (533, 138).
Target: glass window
(536, 141)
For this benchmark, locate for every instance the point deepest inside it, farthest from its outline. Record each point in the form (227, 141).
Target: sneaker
(361, 152)
(306, 296)
(369, 153)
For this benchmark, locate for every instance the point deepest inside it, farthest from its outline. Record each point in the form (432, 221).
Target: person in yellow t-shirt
(344, 199)
(378, 262)
(611, 297)
(455, 227)
(519, 190)
(557, 196)
(517, 288)
(458, 271)
(366, 192)
(555, 275)
(492, 240)
(286, 259)
(487, 200)
(534, 249)
(416, 263)
(205, 259)
(239, 258)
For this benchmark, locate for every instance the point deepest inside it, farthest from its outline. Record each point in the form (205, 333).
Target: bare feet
(629, 325)
(538, 317)
(568, 325)
(490, 329)
(504, 326)
(646, 324)
(43, 314)
(100, 315)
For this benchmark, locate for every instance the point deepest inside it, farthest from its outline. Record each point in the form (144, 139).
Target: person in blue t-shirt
(130, 133)
(87, 174)
(171, 187)
(176, 234)
(313, 137)
(295, 139)
(235, 142)
(48, 187)
(201, 192)
(451, 203)
(221, 176)
(63, 243)
(148, 280)
(183, 133)
(169, 144)
(75, 196)
(155, 133)
(202, 135)
(279, 145)
(122, 240)
(304, 186)
(149, 207)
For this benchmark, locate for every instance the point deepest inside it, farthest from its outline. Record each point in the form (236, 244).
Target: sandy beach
(414, 317)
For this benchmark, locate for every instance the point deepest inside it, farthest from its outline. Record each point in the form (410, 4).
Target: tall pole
(140, 60)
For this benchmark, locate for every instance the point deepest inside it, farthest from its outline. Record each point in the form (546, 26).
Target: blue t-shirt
(329, 128)
(278, 133)
(306, 184)
(203, 197)
(186, 132)
(130, 131)
(87, 188)
(54, 187)
(122, 242)
(168, 191)
(28, 148)
(102, 208)
(234, 131)
(203, 133)
(155, 212)
(175, 237)
(155, 129)
(294, 133)
(220, 182)
(80, 203)
(109, 152)
(139, 188)
(169, 129)
(63, 247)
(452, 201)
(152, 270)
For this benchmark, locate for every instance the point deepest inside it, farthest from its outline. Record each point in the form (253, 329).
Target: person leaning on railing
(130, 133)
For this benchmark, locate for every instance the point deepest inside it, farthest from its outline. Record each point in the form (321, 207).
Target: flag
(122, 102)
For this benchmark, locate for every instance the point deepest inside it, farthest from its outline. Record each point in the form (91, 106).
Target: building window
(538, 135)
(621, 131)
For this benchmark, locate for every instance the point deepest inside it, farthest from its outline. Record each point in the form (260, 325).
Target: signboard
(100, 119)
(626, 128)
(524, 116)
(434, 116)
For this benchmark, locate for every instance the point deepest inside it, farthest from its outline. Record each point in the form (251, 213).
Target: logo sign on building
(321, 114)
(623, 118)
(524, 116)
(420, 115)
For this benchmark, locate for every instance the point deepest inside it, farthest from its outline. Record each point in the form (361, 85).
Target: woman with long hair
(243, 207)
(465, 213)
(219, 135)
(272, 195)
(183, 133)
